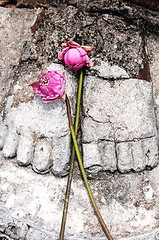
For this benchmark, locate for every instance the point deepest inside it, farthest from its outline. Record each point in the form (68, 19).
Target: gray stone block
(120, 112)
(152, 46)
(15, 25)
(31, 205)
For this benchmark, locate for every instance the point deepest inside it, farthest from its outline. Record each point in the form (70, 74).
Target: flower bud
(75, 56)
(50, 86)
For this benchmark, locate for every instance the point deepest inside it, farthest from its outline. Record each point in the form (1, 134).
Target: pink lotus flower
(74, 55)
(50, 86)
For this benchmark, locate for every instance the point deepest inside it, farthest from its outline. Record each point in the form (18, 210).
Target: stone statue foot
(37, 133)
(119, 126)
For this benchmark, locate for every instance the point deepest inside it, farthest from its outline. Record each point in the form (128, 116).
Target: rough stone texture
(153, 52)
(118, 123)
(42, 128)
(113, 39)
(105, 70)
(31, 205)
(12, 39)
(131, 13)
(119, 127)
(153, 4)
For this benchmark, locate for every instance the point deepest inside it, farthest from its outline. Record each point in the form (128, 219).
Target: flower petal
(64, 75)
(88, 49)
(75, 56)
(35, 86)
(64, 50)
(51, 99)
(61, 56)
(50, 86)
(72, 44)
(87, 62)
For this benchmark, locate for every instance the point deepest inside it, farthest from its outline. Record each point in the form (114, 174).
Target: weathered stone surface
(137, 155)
(153, 4)
(25, 150)
(31, 205)
(131, 13)
(118, 129)
(119, 125)
(100, 156)
(22, 114)
(113, 39)
(105, 70)
(24, 121)
(15, 26)
(153, 53)
(42, 128)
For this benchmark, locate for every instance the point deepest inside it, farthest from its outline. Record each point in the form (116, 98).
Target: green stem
(84, 174)
(67, 194)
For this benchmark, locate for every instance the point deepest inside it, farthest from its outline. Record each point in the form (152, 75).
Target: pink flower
(50, 86)
(75, 56)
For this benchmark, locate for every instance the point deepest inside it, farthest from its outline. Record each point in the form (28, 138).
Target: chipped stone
(105, 70)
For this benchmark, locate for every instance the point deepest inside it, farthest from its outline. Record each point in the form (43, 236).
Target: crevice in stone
(127, 17)
(145, 72)
(87, 115)
(37, 22)
(115, 141)
(101, 174)
(9, 3)
(110, 79)
(124, 14)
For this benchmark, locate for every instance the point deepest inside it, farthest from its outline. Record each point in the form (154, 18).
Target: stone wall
(118, 133)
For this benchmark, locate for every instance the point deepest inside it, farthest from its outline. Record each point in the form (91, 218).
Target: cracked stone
(105, 70)
(121, 113)
(38, 133)
(153, 53)
(119, 125)
(13, 37)
(31, 205)
(113, 40)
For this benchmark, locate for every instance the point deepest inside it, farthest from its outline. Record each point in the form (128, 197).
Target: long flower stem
(84, 174)
(67, 194)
